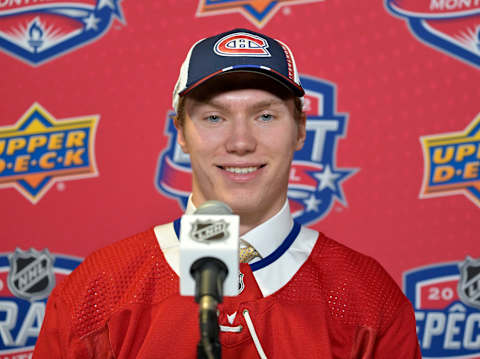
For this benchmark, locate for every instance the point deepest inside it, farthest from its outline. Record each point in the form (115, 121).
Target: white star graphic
(102, 3)
(312, 203)
(326, 178)
(91, 22)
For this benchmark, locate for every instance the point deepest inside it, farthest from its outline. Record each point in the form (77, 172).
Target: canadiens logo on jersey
(452, 163)
(39, 150)
(315, 183)
(446, 299)
(259, 12)
(242, 44)
(37, 31)
(451, 26)
(31, 276)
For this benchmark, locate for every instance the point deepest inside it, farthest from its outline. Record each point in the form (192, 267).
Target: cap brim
(295, 88)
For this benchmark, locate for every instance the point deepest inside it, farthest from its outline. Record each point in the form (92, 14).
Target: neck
(247, 224)
(250, 220)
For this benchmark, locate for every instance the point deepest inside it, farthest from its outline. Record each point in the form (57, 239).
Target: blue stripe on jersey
(287, 242)
(176, 227)
(280, 250)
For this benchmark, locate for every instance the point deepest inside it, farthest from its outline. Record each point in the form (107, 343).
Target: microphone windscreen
(213, 207)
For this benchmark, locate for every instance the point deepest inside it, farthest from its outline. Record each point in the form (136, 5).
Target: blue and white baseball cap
(237, 50)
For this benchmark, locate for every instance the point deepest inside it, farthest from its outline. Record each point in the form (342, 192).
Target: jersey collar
(269, 235)
(283, 244)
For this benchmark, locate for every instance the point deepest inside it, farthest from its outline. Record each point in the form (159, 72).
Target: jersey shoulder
(354, 287)
(130, 271)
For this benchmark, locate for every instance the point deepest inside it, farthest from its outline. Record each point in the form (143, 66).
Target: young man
(303, 295)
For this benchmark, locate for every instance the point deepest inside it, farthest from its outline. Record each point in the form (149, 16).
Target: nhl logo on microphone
(205, 231)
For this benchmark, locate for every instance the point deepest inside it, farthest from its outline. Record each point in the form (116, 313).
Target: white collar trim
(278, 273)
(269, 235)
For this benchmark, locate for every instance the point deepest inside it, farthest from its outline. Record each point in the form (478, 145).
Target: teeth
(241, 170)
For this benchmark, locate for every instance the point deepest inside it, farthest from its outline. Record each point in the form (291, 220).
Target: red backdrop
(396, 79)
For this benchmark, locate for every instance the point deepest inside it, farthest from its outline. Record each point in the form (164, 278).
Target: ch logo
(242, 44)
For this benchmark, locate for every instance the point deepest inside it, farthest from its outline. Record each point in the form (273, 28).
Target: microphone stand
(209, 274)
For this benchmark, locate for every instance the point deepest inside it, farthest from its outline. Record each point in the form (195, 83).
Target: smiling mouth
(241, 170)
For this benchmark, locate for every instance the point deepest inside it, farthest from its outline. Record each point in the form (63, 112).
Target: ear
(301, 131)
(180, 135)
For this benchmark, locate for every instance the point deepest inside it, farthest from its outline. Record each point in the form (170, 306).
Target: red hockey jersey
(123, 302)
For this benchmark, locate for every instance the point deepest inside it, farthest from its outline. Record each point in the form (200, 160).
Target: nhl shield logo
(31, 275)
(209, 231)
(469, 283)
(446, 300)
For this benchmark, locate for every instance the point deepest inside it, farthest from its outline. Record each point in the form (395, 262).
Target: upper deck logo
(259, 12)
(452, 163)
(446, 302)
(37, 31)
(242, 44)
(451, 26)
(40, 150)
(315, 182)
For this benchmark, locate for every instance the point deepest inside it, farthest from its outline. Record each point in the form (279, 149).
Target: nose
(241, 139)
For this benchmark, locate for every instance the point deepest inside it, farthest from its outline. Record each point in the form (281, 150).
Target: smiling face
(241, 133)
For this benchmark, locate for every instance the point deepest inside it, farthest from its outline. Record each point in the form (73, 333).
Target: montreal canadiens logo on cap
(242, 44)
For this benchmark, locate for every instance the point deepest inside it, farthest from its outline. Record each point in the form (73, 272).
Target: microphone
(209, 266)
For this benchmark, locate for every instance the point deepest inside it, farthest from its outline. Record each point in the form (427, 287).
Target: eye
(265, 117)
(213, 118)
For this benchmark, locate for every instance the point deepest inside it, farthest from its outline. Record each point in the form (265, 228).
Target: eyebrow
(256, 105)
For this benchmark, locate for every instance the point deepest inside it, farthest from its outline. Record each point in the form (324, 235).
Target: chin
(246, 208)
(244, 204)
